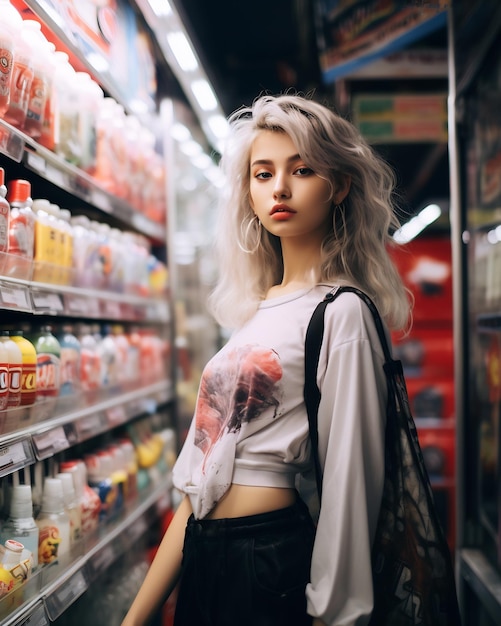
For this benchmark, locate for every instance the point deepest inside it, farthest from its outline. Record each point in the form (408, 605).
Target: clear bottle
(10, 28)
(71, 506)
(68, 145)
(22, 78)
(40, 83)
(53, 523)
(20, 525)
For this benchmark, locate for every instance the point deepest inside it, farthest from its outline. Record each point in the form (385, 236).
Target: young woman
(307, 207)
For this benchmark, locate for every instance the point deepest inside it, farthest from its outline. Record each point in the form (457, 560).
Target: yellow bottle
(44, 242)
(29, 367)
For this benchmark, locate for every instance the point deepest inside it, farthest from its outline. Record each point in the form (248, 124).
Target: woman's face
(286, 195)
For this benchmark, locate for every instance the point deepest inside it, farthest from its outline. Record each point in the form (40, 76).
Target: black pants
(247, 571)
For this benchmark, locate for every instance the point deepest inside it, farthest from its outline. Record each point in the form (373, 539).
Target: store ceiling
(250, 48)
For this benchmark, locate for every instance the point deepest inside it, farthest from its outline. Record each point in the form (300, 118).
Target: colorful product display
(66, 111)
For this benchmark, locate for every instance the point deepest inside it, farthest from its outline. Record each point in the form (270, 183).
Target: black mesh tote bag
(412, 569)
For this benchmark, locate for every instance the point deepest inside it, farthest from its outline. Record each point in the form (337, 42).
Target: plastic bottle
(4, 218)
(131, 466)
(67, 255)
(10, 28)
(4, 377)
(50, 123)
(48, 363)
(53, 523)
(71, 506)
(29, 367)
(108, 352)
(40, 82)
(90, 96)
(90, 361)
(68, 145)
(82, 243)
(59, 242)
(44, 244)
(99, 470)
(21, 229)
(20, 525)
(15, 368)
(22, 78)
(70, 361)
(88, 500)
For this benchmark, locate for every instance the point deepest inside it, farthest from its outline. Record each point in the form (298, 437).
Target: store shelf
(17, 146)
(52, 589)
(45, 299)
(51, 427)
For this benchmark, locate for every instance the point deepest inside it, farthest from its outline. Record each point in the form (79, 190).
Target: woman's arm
(164, 571)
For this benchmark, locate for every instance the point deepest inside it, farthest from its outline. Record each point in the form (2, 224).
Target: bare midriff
(243, 500)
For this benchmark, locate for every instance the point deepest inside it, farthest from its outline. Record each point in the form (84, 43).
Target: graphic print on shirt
(235, 388)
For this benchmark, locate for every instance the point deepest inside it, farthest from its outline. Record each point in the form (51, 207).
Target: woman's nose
(281, 188)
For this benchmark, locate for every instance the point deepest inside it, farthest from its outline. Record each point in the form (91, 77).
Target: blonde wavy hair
(356, 249)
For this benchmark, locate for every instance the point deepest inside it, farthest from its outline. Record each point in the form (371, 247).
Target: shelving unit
(50, 428)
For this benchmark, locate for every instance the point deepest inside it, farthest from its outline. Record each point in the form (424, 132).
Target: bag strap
(313, 344)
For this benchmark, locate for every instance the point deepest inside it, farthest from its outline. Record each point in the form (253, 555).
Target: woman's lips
(281, 212)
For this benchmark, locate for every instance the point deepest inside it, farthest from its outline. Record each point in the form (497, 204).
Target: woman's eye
(262, 175)
(304, 171)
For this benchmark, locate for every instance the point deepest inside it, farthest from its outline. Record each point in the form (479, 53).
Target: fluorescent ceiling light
(180, 132)
(204, 95)
(219, 125)
(202, 161)
(182, 50)
(161, 8)
(417, 224)
(191, 147)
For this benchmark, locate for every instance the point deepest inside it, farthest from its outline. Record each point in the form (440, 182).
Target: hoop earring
(246, 232)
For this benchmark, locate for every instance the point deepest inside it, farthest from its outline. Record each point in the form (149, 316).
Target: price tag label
(111, 309)
(12, 457)
(100, 200)
(90, 425)
(46, 301)
(36, 162)
(50, 442)
(116, 415)
(102, 560)
(84, 306)
(65, 595)
(15, 297)
(57, 176)
(37, 617)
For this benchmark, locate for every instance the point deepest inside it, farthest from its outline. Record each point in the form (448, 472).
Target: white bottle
(71, 506)
(20, 525)
(53, 523)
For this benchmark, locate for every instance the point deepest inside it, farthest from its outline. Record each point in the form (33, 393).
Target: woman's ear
(342, 189)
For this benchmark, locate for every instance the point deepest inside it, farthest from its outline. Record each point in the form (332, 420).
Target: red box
(426, 352)
(425, 265)
(431, 397)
